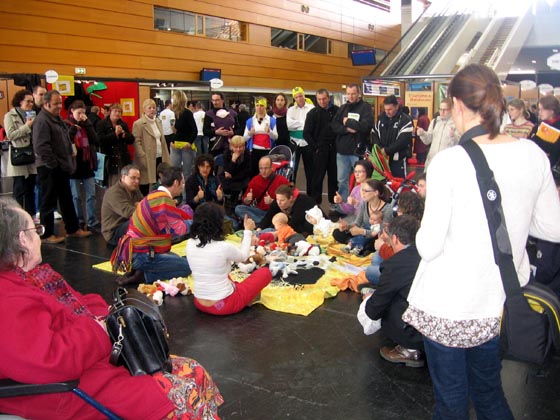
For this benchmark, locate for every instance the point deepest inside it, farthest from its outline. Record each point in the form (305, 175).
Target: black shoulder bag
(138, 333)
(24, 155)
(530, 325)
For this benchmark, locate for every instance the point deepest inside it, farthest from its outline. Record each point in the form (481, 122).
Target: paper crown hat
(260, 101)
(297, 90)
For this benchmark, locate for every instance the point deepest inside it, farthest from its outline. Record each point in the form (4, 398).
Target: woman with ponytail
(457, 296)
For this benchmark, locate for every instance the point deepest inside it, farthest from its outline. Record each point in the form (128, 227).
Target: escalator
(399, 64)
(440, 45)
(498, 41)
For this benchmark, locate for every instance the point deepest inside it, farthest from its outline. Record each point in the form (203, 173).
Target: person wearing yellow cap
(296, 121)
(260, 133)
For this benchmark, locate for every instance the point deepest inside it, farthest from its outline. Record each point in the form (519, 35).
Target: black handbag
(21, 156)
(530, 325)
(138, 333)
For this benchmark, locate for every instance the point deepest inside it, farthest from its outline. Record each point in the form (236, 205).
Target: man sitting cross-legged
(154, 224)
(119, 202)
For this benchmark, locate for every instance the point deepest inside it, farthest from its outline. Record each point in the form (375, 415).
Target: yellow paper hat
(261, 101)
(297, 90)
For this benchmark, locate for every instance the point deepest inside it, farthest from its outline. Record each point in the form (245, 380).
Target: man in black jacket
(352, 124)
(55, 158)
(393, 133)
(389, 301)
(320, 137)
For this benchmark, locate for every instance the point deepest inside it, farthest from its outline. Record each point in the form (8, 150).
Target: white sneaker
(57, 215)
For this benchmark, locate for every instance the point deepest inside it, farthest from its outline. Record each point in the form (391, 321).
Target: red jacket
(44, 341)
(257, 186)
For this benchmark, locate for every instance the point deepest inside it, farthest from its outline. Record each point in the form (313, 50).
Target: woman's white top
(211, 264)
(457, 278)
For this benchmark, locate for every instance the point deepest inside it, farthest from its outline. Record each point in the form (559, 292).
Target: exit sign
(80, 70)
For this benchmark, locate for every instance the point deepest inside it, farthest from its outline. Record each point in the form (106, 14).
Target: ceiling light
(555, 50)
(534, 61)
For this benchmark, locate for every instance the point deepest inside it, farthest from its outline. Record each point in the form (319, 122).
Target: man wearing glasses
(441, 134)
(119, 202)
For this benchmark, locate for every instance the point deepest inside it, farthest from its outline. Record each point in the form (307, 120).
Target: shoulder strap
(266, 189)
(492, 201)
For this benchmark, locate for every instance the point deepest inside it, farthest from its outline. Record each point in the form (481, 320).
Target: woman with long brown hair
(457, 296)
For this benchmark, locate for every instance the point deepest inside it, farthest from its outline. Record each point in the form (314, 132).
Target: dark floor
(270, 365)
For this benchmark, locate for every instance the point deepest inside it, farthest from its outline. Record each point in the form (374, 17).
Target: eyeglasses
(40, 229)
(262, 168)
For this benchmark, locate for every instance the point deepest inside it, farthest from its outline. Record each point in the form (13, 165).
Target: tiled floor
(270, 365)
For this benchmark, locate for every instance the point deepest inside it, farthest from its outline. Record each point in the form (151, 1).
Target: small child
(357, 244)
(282, 230)
(321, 227)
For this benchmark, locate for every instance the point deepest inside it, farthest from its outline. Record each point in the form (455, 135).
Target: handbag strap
(492, 201)
(266, 189)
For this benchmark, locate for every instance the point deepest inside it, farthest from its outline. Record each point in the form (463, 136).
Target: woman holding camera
(18, 122)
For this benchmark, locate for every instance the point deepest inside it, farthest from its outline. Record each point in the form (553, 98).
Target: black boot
(133, 277)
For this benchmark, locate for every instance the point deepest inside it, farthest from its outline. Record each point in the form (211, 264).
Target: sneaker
(53, 239)
(346, 249)
(398, 354)
(57, 215)
(366, 291)
(79, 234)
(356, 250)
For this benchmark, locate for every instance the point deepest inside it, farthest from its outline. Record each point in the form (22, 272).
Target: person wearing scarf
(260, 133)
(202, 186)
(279, 111)
(83, 135)
(154, 225)
(546, 136)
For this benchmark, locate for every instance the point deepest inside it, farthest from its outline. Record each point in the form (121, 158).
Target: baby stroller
(282, 161)
(382, 172)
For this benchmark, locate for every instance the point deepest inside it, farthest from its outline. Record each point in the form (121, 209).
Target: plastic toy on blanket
(279, 264)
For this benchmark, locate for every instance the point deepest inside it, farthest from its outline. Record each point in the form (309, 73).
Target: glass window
(194, 24)
(316, 44)
(283, 39)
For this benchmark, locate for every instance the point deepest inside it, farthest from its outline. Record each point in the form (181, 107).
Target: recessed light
(555, 50)
(534, 61)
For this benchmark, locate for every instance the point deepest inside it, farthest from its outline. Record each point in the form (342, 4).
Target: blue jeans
(89, 188)
(160, 266)
(201, 144)
(344, 167)
(183, 158)
(253, 212)
(459, 373)
(372, 271)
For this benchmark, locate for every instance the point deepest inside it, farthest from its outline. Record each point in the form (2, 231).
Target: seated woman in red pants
(210, 258)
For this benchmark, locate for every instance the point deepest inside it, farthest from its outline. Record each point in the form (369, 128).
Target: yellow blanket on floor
(278, 296)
